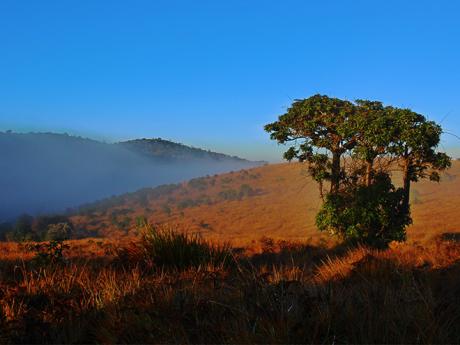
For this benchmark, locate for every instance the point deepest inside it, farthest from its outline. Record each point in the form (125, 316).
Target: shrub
(372, 215)
(229, 194)
(58, 232)
(246, 190)
(164, 246)
(198, 183)
(186, 203)
(47, 253)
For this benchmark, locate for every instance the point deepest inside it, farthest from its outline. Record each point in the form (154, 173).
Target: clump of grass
(166, 247)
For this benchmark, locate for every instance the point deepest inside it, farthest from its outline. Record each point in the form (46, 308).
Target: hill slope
(170, 151)
(276, 200)
(47, 172)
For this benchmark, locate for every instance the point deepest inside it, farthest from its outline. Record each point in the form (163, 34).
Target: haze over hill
(278, 201)
(48, 172)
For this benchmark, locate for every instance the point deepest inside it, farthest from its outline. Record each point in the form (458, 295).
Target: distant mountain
(49, 172)
(170, 151)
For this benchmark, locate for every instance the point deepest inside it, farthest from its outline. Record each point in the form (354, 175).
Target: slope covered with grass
(278, 201)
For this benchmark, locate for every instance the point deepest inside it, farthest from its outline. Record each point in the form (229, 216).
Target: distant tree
(41, 224)
(5, 230)
(58, 232)
(23, 228)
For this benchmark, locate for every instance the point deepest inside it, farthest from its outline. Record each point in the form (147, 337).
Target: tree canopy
(341, 142)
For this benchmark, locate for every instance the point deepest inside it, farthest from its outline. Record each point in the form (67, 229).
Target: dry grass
(295, 286)
(283, 292)
(284, 207)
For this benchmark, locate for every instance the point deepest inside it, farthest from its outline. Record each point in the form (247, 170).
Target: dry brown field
(282, 204)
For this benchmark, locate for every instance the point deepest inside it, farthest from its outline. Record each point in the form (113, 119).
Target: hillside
(48, 172)
(278, 201)
(170, 151)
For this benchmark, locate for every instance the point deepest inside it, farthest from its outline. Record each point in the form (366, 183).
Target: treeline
(41, 228)
(168, 150)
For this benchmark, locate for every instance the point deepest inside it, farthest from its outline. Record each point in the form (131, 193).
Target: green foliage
(186, 203)
(48, 253)
(362, 203)
(245, 190)
(165, 247)
(41, 223)
(140, 221)
(229, 194)
(198, 183)
(371, 215)
(23, 228)
(58, 232)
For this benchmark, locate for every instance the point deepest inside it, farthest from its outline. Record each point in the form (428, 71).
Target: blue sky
(212, 73)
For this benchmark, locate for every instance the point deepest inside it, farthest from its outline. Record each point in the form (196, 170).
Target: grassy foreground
(282, 293)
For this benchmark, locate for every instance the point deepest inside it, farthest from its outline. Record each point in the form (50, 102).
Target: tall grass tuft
(166, 247)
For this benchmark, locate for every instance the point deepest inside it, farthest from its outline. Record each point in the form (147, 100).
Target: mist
(48, 173)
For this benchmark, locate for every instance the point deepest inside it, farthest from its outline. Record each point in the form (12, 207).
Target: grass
(165, 247)
(283, 204)
(165, 286)
(281, 292)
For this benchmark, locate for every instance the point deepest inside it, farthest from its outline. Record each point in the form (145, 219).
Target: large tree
(362, 202)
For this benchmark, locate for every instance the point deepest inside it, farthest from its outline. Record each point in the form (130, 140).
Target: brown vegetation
(281, 282)
(275, 292)
(279, 201)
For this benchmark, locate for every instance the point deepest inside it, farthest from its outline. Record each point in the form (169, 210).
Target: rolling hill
(278, 201)
(48, 172)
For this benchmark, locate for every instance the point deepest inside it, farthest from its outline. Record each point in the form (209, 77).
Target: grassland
(286, 293)
(278, 201)
(280, 282)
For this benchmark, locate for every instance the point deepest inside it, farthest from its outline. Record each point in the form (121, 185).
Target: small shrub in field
(165, 247)
(198, 183)
(48, 252)
(229, 194)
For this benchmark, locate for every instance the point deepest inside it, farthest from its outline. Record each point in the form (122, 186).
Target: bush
(186, 203)
(47, 253)
(371, 215)
(58, 232)
(198, 183)
(229, 194)
(164, 246)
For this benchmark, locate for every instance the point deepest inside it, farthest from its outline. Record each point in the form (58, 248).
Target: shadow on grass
(379, 300)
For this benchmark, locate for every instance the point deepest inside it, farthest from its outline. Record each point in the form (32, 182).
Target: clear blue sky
(212, 73)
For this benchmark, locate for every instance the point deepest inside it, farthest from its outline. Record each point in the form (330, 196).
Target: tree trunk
(406, 186)
(368, 179)
(321, 194)
(335, 172)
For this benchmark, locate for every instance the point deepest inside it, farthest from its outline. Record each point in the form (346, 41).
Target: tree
(41, 224)
(362, 202)
(375, 129)
(323, 125)
(58, 232)
(23, 229)
(414, 147)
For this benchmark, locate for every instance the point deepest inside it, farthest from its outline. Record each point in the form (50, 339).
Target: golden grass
(284, 292)
(284, 208)
(289, 284)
